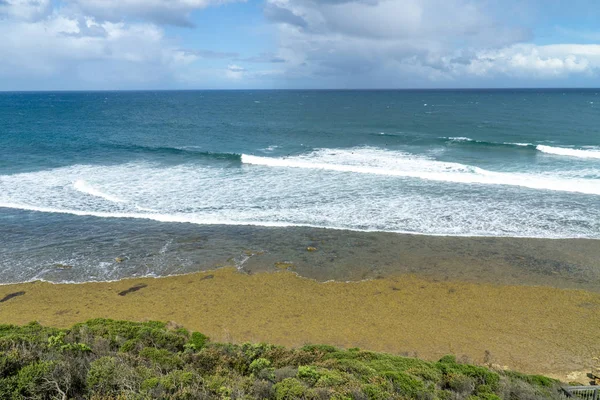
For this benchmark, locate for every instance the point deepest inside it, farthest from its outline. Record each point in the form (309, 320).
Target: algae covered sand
(532, 329)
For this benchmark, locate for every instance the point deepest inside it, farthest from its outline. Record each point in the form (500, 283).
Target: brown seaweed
(11, 295)
(132, 289)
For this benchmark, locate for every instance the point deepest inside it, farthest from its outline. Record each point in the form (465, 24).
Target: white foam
(518, 144)
(84, 187)
(180, 218)
(569, 152)
(392, 163)
(363, 189)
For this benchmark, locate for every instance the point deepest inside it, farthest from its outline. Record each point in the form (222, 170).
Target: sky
(285, 44)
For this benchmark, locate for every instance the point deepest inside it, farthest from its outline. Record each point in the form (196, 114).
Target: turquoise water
(468, 163)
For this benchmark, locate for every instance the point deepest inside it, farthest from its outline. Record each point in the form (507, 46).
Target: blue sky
(236, 44)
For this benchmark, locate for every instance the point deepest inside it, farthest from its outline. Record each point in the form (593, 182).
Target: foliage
(106, 359)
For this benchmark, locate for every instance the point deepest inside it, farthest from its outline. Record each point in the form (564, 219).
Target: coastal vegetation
(104, 359)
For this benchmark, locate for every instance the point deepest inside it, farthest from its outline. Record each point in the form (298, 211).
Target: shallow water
(86, 248)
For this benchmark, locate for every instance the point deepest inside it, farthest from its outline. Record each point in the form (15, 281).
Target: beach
(484, 299)
(412, 222)
(531, 329)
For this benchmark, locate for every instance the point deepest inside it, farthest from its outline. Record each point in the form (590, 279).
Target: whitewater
(360, 188)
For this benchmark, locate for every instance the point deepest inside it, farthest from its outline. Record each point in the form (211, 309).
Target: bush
(308, 374)
(289, 388)
(30, 381)
(162, 359)
(375, 392)
(197, 341)
(105, 359)
(258, 365)
(110, 376)
(405, 384)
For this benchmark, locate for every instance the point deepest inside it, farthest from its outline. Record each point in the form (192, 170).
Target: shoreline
(87, 249)
(534, 329)
(171, 219)
(163, 218)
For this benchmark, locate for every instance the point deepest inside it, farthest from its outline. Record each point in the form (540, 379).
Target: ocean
(167, 180)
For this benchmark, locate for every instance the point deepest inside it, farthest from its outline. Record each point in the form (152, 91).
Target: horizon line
(295, 89)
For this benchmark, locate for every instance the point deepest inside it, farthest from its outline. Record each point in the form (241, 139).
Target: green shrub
(319, 348)
(151, 333)
(289, 388)
(460, 383)
(177, 380)
(485, 396)
(30, 381)
(105, 359)
(448, 359)
(150, 383)
(130, 346)
(162, 358)
(10, 363)
(405, 384)
(375, 392)
(331, 379)
(536, 380)
(308, 374)
(8, 386)
(110, 376)
(258, 365)
(280, 374)
(197, 341)
(353, 367)
(482, 376)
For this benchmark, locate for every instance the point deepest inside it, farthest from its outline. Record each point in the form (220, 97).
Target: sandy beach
(540, 330)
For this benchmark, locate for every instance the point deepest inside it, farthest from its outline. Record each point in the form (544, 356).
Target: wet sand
(531, 329)
(86, 248)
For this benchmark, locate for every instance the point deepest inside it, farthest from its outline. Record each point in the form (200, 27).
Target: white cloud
(374, 43)
(110, 44)
(82, 50)
(235, 72)
(530, 61)
(28, 10)
(174, 12)
(72, 44)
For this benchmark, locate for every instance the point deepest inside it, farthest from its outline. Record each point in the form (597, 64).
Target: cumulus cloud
(72, 44)
(173, 12)
(24, 9)
(527, 60)
(106, 44)
(80, 49)
(392, 42)
(235, 71)
(264, 58)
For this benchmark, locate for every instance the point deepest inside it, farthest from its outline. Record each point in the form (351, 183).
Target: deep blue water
(473, 163)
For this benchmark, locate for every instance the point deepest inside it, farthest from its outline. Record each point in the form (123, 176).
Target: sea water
(97, 165)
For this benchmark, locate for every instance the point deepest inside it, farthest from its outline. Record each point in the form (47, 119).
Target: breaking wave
(375, 161)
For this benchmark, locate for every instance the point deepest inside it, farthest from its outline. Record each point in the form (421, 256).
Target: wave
(570, 152)
(160, 217)
(475, 142)
(202, 220)
(277, 196)
(269, 148)
(84, 187)
(367, 160)
(589, 152)
(189, 151)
